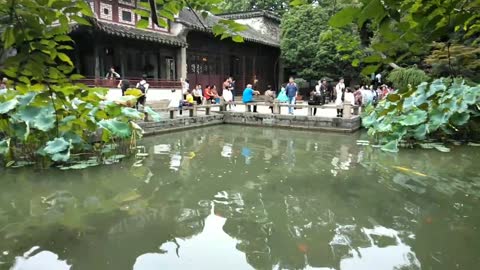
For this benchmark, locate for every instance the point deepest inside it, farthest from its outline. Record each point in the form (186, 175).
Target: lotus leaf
(116, 127)
(27, 98)
(4, 146)
(435, 86)
(155, 116)
(28, 113)
(437, 118)
(57, 145)
(392, 147)
(62, 157)
(7, 106)
(414, 118)
(420, 133)
(132, 113)
(393, 97)
(459, 119)
(409, 103)
(45, 120)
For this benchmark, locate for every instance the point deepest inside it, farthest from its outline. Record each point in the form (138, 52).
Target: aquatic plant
(438, 110)
(45, 116)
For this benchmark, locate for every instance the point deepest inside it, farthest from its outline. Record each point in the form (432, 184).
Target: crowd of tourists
(323, 93)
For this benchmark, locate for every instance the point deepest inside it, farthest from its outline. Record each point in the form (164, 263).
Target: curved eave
(209, 30)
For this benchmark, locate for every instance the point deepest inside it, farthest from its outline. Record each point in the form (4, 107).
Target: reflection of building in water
(175, 161)
(227, 150)
(342, 162)
(211, 249)
(385, 251)
(290, 155)
(43, 260)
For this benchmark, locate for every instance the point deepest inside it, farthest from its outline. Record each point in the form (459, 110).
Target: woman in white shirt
(339, 91)
(228, 97)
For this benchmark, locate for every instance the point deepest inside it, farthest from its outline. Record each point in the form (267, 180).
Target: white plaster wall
(153, 95)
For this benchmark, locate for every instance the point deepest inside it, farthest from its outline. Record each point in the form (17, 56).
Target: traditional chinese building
(186, 48)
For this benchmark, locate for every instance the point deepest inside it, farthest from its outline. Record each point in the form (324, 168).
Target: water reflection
(212, 245)
(43, 260)
(281, 200)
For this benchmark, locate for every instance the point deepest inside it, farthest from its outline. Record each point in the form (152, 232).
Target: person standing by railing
(228, 97)
(112, 74)
(292, 91)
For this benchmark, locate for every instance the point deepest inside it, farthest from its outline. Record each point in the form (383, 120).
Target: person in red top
(207, 93)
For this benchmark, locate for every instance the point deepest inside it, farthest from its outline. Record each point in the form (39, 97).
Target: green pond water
(231, 197)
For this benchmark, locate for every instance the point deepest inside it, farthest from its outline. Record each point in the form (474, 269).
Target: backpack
(141, 86)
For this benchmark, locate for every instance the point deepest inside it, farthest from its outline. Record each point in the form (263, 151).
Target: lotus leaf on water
(438, 109)
(57, 145)
(392, 147)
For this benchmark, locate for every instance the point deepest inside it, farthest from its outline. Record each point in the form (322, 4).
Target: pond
(232, 197)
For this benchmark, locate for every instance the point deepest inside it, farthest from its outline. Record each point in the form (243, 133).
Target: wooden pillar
(96, 55)
(123, 58)
(244, 70)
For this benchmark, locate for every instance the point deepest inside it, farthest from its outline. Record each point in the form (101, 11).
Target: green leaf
(391, 147)
(45, 121)
(142, 24)
(7, 106)
(420, 132)
(116, 127)
(65, 58)
(142, 12)
(343, 17)
(80, 20)
(459, 119)
(414, 118)
(8, 37)
(85, 8)
(370, 69)
(375, 58)
(132, 113)
(4, 146)
(56, 145)
(393, 97)
(155, 116)
(237, 38)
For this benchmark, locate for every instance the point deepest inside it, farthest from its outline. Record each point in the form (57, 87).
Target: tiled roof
(251, 14)
(188, 18)
(135, 33)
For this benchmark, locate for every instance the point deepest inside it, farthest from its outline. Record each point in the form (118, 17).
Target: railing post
(172, 113)
(347, 110)
(356, 110)
(310, 111)
(207, 110)
(190, 111)
(276, 107)
(194, 110)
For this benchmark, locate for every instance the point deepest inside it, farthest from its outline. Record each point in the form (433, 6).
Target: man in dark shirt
(292, 91)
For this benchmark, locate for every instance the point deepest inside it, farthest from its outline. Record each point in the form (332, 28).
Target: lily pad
(391, 147)
(442, 148)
